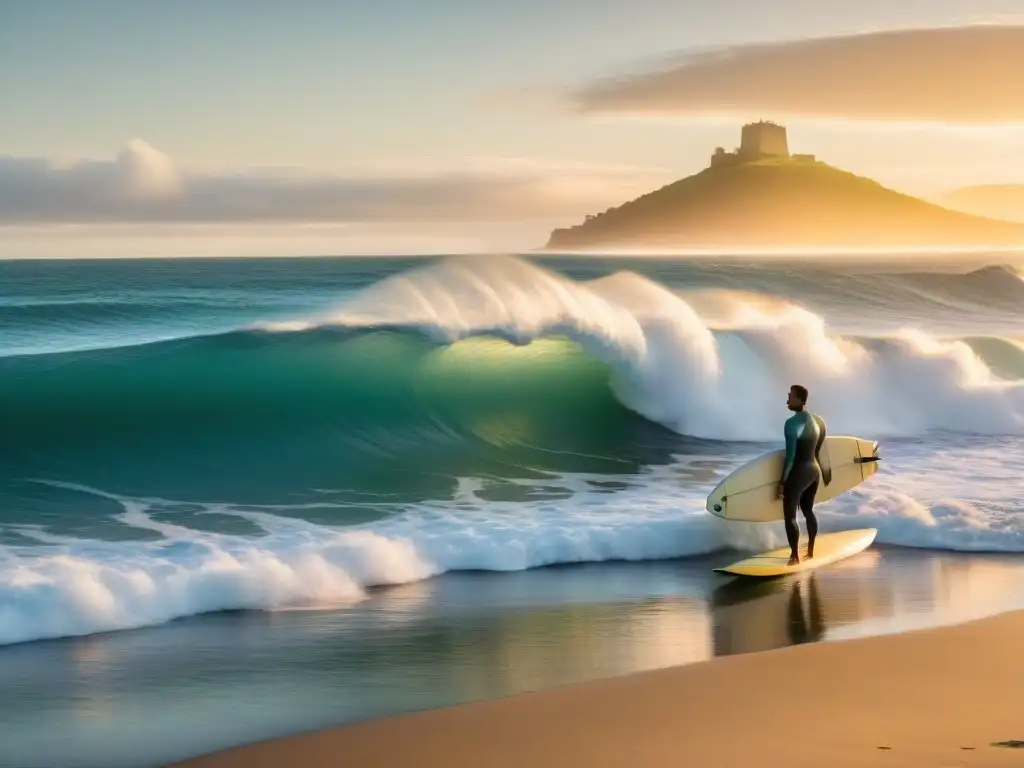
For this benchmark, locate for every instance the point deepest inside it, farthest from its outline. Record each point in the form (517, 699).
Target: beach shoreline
(936, 696)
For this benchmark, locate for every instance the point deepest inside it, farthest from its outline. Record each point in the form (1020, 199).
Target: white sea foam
(70, 586)
(963, 499)
(671, 367)
(955, 491)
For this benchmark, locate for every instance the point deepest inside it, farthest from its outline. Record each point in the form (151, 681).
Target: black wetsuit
(801, 474)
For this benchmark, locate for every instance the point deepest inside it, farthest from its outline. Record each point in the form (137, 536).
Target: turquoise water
(186, 436)
(210, 466)
(148, 697)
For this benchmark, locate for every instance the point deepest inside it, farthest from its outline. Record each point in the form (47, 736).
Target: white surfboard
(828, 548)
(748, 494)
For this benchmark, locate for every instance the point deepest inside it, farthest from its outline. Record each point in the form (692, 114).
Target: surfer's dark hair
(800, 391)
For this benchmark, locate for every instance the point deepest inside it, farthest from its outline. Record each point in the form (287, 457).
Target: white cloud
(143, 184)
(968, 75)
(147, 173)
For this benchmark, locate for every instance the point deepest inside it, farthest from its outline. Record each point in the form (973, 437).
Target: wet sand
(151, 697)
(931, 697)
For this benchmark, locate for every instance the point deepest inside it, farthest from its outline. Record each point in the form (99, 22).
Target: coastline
(155, 696)
(937, 696)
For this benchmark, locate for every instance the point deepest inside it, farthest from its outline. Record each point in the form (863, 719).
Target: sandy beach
(933, 697)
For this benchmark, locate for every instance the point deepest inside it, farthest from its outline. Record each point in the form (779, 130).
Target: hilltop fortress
(762, 196)
(758, 141)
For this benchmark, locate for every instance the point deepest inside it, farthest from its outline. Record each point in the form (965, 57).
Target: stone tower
(763, 139)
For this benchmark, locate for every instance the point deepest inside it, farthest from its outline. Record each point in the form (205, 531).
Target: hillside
(1000, 201)
(780, 203)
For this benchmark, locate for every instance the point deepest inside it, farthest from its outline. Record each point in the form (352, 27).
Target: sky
(255, 127)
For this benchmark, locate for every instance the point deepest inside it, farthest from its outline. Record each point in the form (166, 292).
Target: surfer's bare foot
(794, 560)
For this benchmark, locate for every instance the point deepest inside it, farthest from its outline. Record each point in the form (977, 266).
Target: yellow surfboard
(748, 493)
(828, 548)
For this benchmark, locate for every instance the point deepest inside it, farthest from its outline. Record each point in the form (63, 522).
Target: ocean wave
(65, 585)
(986, 287)
(93, 311)
(507, 352)
(479, 415)
(74, 585)
(668, 365)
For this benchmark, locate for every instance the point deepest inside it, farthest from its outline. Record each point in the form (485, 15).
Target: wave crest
(671, 367)
(454, 348)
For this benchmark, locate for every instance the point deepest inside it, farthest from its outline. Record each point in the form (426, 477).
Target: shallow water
(196, 448)
(141, 698)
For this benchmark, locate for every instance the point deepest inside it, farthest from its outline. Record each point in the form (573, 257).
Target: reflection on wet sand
(875, 592)
(767, 615)
(530, 650)
(942, 588)
(752, 615)
(457, 638)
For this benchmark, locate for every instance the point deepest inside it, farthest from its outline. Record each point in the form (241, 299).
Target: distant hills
(747, 199)
(999, 201)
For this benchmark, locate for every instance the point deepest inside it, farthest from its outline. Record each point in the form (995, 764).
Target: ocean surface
(184, 438)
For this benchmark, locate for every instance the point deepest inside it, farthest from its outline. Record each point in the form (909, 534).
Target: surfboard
(828, 548)
(748, 493)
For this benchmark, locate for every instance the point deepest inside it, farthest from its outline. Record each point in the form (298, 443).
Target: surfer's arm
(826, 472)
(792, 433)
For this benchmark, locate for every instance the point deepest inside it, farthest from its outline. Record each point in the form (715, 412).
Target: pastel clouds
(969, 75)
(142, 184)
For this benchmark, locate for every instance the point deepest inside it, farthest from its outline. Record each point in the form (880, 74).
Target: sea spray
(669, 365)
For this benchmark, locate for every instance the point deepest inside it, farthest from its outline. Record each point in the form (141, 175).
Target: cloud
(969, 75)
(143, 184)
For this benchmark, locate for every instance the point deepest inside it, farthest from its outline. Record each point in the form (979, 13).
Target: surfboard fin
(873, 457)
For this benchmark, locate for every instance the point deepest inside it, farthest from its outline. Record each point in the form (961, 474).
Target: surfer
(801, 472)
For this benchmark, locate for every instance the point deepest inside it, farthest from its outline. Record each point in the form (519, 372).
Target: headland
(762, 195)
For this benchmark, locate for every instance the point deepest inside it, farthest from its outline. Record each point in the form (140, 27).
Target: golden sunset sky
(145, 128)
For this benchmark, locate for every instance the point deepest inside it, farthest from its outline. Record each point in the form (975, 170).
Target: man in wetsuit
(801, 472)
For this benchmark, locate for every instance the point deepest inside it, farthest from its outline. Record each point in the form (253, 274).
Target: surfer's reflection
(805, 626)
(767, 614)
